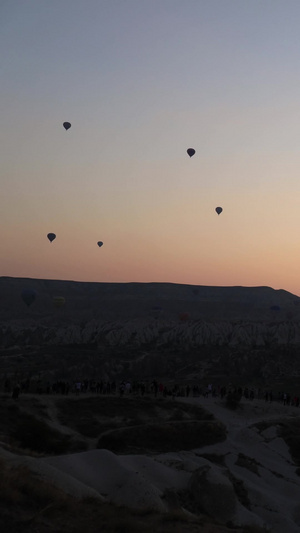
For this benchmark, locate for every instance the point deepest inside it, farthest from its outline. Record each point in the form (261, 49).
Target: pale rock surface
(213, 493)
(134, 481)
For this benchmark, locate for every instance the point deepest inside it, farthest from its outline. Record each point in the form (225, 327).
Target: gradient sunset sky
(141, 81)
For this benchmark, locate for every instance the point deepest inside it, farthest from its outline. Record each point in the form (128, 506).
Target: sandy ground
(140, 481)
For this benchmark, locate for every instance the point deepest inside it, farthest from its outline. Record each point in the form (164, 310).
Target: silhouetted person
(16, 392)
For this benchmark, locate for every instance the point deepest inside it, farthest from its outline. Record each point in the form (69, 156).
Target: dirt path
(237, 422)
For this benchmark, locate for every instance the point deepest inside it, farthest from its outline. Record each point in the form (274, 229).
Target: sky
(141, 81)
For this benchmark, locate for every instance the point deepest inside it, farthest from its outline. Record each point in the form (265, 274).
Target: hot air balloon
(275, 312)
(100, 243)
(184, 317)
(28, 296)
(275, 308)
(51, 236)
(66, 125)
(191, 152)
(59, 301)
(219, 210)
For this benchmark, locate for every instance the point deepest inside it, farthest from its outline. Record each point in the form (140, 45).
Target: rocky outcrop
(140, 328)
(213, 493)
(137, 333)
(261, 351)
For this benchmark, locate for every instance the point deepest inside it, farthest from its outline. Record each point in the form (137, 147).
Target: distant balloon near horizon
(51, 236)
(59, 301)
(184, 317)
(28, 296)
(67, 125)
(275, 308)
(100, 243)
(191, 152)
(219, 210)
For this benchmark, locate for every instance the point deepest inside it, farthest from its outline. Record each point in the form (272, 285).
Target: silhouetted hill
(127, 301)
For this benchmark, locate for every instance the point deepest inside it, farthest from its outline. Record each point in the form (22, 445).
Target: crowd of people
(153, 387)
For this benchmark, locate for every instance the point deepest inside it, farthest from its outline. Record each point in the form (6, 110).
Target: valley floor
(254, 455)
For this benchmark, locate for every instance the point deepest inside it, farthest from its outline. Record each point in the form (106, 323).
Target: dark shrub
(37, 436)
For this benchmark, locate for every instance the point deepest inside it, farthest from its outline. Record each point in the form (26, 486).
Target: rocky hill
(144, 329)
(129, 301)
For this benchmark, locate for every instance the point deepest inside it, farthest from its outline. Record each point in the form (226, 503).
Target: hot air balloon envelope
(51, 236)
(59, 301)
(100, 243)
(66, 125)
(191, 152)
(219, 210)
(183, 317)
(28, 296)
